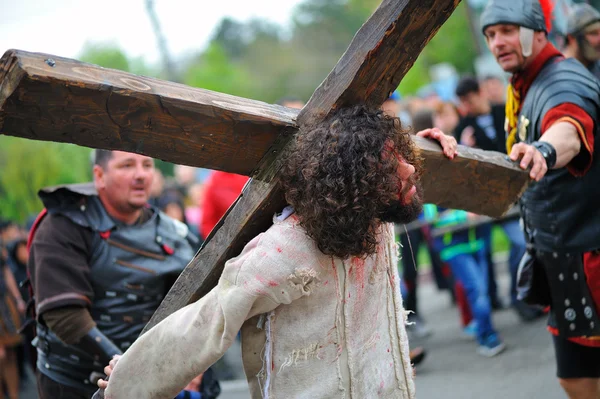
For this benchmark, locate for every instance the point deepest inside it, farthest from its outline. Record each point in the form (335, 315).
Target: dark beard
(400, 213)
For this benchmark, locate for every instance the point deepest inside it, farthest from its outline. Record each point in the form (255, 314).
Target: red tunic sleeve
(569, 112)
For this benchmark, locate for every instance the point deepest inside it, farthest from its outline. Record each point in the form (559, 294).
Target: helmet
(581, 15)
(525, 13)
(529, 15)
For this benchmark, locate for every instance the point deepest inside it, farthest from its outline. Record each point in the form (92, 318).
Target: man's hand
(102, 384)
(530, 156)
(21, 306)
(467, 137)
(448, 142)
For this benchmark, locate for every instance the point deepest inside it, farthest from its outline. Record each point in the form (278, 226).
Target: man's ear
(98, 173)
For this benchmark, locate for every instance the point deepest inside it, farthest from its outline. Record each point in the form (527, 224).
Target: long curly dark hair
(341, 176)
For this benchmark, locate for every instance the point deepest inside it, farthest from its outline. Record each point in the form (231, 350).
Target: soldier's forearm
(98, 345)
(565, 139)
(74, 326)
(69, 323)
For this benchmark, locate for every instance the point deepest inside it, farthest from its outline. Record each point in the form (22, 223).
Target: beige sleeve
(165, 359)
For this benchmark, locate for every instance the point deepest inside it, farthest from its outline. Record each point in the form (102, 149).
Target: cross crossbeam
(44, 97)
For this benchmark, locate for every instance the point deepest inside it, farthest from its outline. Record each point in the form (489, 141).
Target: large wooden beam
(380, 54)
(482, 182)
(44, 97)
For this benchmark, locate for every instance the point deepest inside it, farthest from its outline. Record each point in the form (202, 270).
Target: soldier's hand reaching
(447, 142)
(530, 157)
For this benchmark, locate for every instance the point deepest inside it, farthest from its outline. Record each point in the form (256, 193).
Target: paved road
(453, 369)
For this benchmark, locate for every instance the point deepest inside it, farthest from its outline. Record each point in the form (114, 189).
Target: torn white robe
(313, 326)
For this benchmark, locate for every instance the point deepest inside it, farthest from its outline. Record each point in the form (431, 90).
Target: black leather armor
(561, 211)
(132, 268)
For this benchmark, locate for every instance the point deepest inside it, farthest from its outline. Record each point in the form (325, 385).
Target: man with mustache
(583, 37)
(551, 113)
(316, 296)
(101, 262)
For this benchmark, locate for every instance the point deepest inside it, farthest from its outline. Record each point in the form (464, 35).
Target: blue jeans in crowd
(472, 271)
(516, 237)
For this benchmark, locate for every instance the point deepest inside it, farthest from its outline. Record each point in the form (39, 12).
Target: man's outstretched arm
(166, 358)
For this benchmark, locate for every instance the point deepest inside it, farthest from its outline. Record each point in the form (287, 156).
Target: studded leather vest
(132, 268)
(561, 211)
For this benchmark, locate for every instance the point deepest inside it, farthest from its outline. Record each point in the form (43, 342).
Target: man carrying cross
(552, 113)
(316, 296)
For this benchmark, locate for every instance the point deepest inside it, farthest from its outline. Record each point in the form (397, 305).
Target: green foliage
(453, 43)
(105, 55)
(29, 165)
(214, 71)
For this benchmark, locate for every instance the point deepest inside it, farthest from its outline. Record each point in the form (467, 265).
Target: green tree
(30, 165)
(106, 55)
(453, 44)
(213, 70)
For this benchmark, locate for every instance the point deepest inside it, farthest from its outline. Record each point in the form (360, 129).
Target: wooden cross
(44, 97)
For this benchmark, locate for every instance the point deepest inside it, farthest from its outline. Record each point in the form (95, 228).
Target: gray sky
(62, 27)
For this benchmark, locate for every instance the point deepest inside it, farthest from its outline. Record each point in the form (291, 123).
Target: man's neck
(522, 79)
(127, 218)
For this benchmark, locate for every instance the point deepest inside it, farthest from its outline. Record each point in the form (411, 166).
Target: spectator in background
(494, 89)
(193, 211)
(12, 307)
(221, 190)
(414, 105)
(483, 127)
(9, 231)
(18, 255)
(445, 117)
(157, 187)
(185, 176)
(172, 205)
(583, 37)
(290, 102)
(463, 251)
(391, 106)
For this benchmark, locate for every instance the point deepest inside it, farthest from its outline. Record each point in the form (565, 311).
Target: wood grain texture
(251, 214)
(482, 182)
(379, 56)
(103, 108)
